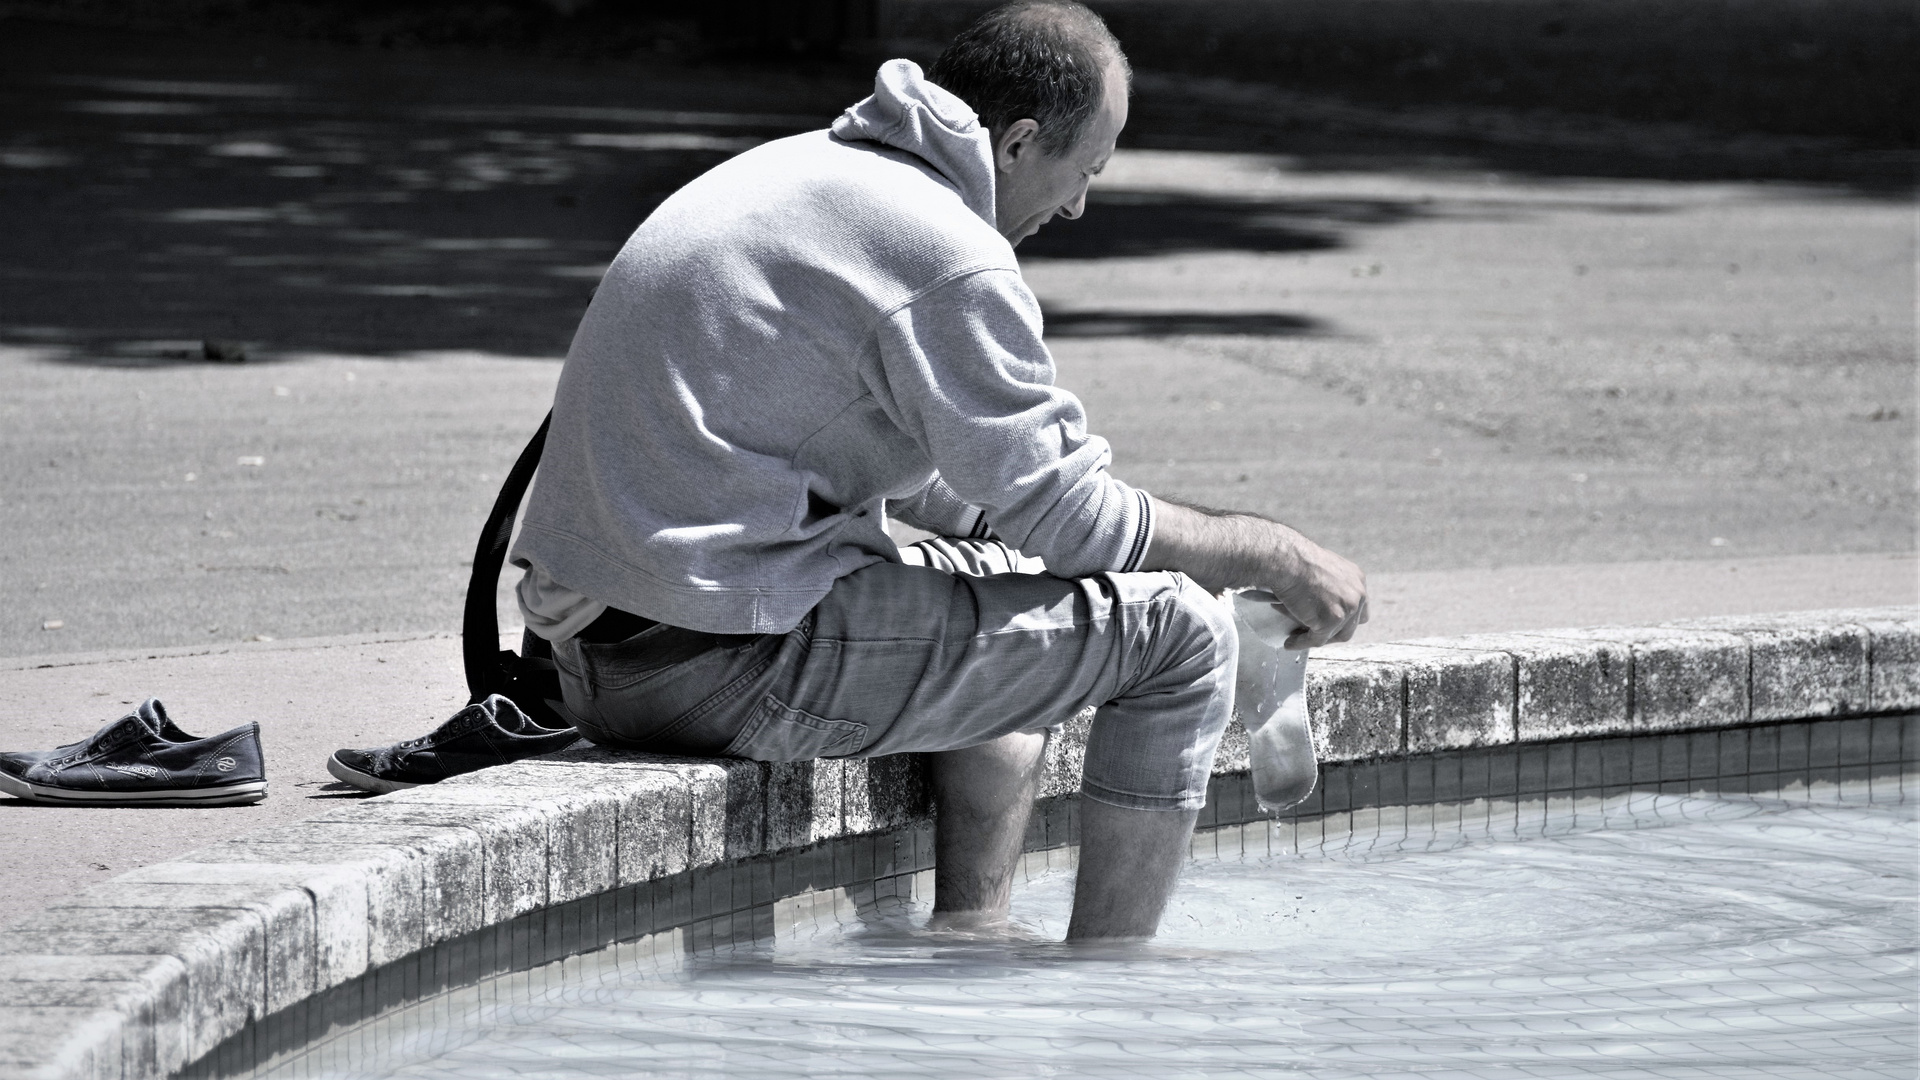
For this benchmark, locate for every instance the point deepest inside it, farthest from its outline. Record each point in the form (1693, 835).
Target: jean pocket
(622, 664)
(779, 732)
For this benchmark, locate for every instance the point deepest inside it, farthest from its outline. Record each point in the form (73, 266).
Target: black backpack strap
(527, 677)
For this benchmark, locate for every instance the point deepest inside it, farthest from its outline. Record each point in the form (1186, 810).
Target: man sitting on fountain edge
(830, 329)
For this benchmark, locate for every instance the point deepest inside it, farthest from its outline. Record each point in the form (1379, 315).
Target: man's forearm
(1222, 550)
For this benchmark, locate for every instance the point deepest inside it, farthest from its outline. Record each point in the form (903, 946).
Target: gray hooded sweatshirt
(818, 332)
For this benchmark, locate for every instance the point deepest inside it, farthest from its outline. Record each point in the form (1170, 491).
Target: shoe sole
(347, 774)
(242, 793)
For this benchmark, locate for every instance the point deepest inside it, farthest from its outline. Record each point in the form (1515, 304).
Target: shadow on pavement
(157, 192)
(1121, 224)
(1103, 324)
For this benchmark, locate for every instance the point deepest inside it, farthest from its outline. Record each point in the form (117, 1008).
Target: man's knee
(1190, 625)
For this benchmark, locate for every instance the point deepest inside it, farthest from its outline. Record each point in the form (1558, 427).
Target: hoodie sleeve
(940, 510)
(962, 370)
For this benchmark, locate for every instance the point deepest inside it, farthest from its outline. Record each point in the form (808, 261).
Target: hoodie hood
(909, 113)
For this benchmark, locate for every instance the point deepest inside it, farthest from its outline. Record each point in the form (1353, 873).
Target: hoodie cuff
(1142, 535)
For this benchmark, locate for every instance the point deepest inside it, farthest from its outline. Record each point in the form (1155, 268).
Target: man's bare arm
(1222, 550)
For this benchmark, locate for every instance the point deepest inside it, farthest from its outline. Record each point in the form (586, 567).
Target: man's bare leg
(984, 795)
(1128, 862)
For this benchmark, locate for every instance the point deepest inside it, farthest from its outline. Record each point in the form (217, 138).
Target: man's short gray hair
(1039, 60)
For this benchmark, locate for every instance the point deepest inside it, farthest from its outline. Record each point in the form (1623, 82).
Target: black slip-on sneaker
(484, 734)
(142, 759)
(150, 712)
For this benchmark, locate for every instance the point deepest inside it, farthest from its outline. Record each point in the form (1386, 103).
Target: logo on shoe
(145, 772)
(225, 764)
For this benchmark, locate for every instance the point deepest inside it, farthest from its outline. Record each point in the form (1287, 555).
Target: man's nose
(1075, 208)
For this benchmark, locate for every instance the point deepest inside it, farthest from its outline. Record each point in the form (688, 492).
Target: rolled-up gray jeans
(956, 646)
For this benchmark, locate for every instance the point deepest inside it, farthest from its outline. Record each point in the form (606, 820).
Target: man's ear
(1020, 139)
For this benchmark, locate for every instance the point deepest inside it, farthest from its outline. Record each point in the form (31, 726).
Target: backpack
(527, 677)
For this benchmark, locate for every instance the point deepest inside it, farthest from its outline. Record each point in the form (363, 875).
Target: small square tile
(457, 962)
(843, 873)
(1060, 816)
(763, 923)
(488, 951)
(1448, 785)
(1823, 745)
(1224, 794)
(1315, 802)
(1210, 812)
(906, 850)
(1282, 841)
(1856, 740)
(1035, 838)
(1204, 845)
(813, 868)
(1417, 776)
(1530, 770)
(1249, 803)
(1073, 821)
(1763, 750)
(1394, 823)
(640, 909)
(1675, 760)
(712, 891)
(1475, 777)
(1364, 823)
(863, 859)
(734, 889)
(1734, 743)
(1795, 750)
(923, 847)
(1884, 740)
(1560, 766)
(679, 902)
(1616, 762)
(886, 858)
(1703, 755)
(1893, 785)
(521, 943)
(1645, 767)
(1363, 784)
(568, 936)
(1530, 816)
(606, 916)
(1307, 832)
(780, 870)
(1393, 782)
(1335, 792)
(703, 934)
(1503, 772)
(1587, 760)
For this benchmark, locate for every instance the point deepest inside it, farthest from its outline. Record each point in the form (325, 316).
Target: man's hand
(1327, 597)
(1323, 592)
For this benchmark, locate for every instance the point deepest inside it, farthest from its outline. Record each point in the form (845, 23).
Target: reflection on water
(1689, 936)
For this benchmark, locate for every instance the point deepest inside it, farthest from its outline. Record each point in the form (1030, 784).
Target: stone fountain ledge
(143, 975)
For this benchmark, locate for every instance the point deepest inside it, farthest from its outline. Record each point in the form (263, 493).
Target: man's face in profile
(1031, 185)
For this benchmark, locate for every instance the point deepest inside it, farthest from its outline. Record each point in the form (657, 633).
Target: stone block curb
(138, 977)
